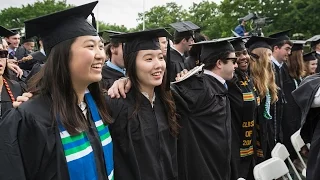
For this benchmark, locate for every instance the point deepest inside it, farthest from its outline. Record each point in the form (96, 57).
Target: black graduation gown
(191, 62)
(318, 67)
(21, 52)
(37, 57)
(144, 149)
(310, 117)
(35, 69)
(276, 110)
(109, 76)
(177, 64)
(291, 114)
(6, 102)
(243, 102)
(31, 148)
(204, 144)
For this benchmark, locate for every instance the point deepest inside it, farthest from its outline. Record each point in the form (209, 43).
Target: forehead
(14, 36)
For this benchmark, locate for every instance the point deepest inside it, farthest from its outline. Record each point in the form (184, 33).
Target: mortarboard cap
(309, 56)
(6, 32)
(106, 36)
(61, 26)
(24, 39)
(259, 42)
(184, 28)
(297, 45)
(213, 47)
(141, 40)
(280, 36)
(238, 44)
(314, 40)
(16, 30)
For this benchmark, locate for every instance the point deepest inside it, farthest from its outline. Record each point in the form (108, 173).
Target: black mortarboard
(106, 36)
(314, 40)
(297, 45)
(145, 40)
(309, 56)
(213, 47)
(4, 32)
(183, 29)
(259, 42)
(141, 40)
(280, 36)
(238, 44)
(63, 25)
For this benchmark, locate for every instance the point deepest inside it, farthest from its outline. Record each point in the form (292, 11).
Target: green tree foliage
(14, 17)
(162, 16)
(113, 27)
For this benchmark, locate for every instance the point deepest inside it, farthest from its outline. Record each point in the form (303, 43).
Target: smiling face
(312, 66)
(243, 60)
(150, 68)
(13, 41)
(87, 58)
(282, 53)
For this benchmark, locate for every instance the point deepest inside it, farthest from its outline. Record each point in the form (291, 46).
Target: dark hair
(195, 50)
(211, 61)
(240, 20)
(109, 46)
(296, 65)
(179, 39)
(54, 80)
(165, 96)
(282, 43)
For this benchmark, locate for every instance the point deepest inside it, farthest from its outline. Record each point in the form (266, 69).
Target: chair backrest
(273, 168)
(280, 151)
(297, 141)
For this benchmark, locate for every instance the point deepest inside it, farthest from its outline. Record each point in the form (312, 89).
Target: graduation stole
(78, 150)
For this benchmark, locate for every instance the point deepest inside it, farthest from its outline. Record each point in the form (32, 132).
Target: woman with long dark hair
(62, 132)
(145, 126)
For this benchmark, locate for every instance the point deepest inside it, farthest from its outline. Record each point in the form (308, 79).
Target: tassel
(94, 22)
(168, 64)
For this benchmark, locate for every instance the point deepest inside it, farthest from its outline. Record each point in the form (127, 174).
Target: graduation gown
(177, 64)
(310, 117)
(318, 67)
(291, 113)
(21, 52)
(244, 101)
(144, 149)
(6, 102)
(30, 144)
(109, 76)
(37, 57)
(204, 144)
(276, 111)
(35, 69)
(191, 62)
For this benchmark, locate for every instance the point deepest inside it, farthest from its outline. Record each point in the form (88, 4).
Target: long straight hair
(262, 74)
(295, 64)
(54, 80)
(165, 96)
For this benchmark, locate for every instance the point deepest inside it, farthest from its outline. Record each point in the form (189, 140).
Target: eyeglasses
(234, 60)
(4, 54)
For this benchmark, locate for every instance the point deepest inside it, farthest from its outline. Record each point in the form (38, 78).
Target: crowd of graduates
(149, 105)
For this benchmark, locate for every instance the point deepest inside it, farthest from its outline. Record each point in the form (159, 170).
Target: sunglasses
(4, 54)
(234, 60)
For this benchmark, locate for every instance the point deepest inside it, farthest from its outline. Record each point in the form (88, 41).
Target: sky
(120, 12)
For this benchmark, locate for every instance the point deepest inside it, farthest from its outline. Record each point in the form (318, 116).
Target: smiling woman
(145, 126)
(61, 133)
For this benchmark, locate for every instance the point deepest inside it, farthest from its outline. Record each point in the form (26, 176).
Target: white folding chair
(298, 143)
(270, 169)
(280, 151)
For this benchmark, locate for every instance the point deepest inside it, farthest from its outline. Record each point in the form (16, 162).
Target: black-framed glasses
(234, 60)
(4, 54)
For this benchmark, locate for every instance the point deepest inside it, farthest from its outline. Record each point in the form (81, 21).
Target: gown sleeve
(21, 146)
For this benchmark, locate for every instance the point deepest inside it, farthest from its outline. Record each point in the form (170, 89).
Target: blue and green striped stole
(78, 150)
